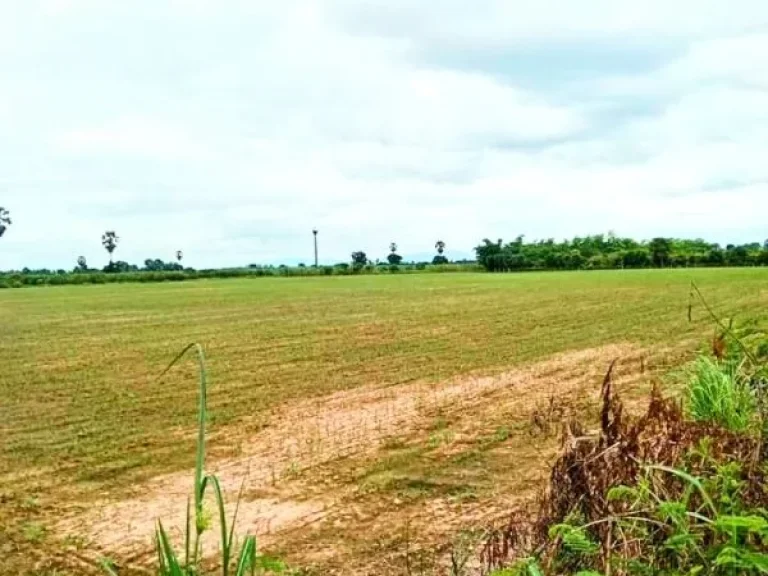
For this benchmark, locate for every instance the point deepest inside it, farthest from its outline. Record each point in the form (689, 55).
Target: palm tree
(5, 220)
(110, 240)
(394, 257)
(440, 259)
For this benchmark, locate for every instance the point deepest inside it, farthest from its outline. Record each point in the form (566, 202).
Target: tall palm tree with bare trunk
(110, 240)
(393, 257)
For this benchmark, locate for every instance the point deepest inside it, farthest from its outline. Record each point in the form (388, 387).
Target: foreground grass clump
(728, 388)
(663, 494)
(719, 392)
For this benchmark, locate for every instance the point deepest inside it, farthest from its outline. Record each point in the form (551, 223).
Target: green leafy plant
(523, 567)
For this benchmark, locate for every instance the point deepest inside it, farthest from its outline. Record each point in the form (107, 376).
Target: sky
(229, 129)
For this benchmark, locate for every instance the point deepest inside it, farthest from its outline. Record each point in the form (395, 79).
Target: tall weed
(234, 561)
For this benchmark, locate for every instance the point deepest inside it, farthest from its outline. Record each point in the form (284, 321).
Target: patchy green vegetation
(158, 271)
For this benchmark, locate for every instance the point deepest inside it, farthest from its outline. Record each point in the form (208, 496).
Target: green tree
(440, 259)
(110, 240)
(660, 249)
(121, 266)
(5, 220)
(359, 259)
(393, 257)
(736, 255)
(153, 265)
(487, 255)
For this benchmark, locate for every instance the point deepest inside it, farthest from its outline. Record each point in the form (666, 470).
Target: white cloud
(229, 130)
(134, 136)
(504, 22)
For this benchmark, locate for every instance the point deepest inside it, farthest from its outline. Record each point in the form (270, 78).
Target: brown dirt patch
(284, 495)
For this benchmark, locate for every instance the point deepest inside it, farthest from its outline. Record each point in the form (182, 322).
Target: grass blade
(234, 516)
(727, 330)
(247, 559)
(187, 534)
(172, 563)
(225, 544)
(200, 456)
(199, 488)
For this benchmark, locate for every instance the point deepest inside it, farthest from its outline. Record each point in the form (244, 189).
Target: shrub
(174, 273)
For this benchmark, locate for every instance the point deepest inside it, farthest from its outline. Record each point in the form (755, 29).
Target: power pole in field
(314, 232)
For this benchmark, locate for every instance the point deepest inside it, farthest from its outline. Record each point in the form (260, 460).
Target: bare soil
(300, 474)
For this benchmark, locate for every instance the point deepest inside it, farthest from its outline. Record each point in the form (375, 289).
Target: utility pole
(314, 232)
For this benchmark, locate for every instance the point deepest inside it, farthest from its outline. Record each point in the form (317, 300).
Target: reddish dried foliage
(589, 467)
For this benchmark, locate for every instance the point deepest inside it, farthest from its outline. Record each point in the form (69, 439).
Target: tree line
(608, 251)
(595, 252)
(157, 270)
(110, 241)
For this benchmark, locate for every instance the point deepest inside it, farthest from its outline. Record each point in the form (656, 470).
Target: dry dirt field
(376, 422)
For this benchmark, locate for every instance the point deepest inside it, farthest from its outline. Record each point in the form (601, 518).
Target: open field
(371, 414)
